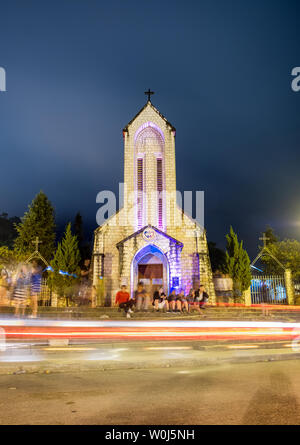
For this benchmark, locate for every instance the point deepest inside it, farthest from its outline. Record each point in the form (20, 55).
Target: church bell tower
(149, 169)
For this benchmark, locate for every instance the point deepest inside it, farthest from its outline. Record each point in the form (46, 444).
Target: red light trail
(150, 330)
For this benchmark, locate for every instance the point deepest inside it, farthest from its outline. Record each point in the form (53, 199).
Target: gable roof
(141, 230)
(156, 111)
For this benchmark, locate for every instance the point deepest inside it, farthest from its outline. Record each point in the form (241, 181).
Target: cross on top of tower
(264, 238)
(36, 242)
(148, 93)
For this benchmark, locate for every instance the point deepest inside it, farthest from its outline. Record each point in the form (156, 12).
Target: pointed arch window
(149, 146)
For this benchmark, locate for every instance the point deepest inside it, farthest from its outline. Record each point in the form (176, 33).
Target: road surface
(253, 393)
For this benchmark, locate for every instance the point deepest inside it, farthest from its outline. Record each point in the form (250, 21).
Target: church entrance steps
(210, 313)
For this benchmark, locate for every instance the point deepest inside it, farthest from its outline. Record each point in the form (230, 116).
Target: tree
(237, 263)
(273, 238)
(39, 222)
(217, 257)
(288, 253)
(84, 247)
(78, 228)
(66, 260)
(78, 231)
(10, 259)
(8, 230)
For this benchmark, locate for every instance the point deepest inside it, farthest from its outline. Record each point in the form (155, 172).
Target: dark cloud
(76, 73)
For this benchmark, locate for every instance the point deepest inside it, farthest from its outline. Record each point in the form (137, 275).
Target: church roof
(153, 227)
(156, 111)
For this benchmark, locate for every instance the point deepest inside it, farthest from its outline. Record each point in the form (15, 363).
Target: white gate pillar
(290, 294)
(54, 299)
(247, 296)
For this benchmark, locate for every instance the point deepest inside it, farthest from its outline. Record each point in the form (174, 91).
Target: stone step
(212, 313)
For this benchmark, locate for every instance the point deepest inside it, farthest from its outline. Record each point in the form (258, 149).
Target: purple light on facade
(159, 193)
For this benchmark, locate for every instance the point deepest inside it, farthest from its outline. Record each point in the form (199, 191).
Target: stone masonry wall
(193, 266)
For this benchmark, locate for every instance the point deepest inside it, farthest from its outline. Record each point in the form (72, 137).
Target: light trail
(273, 307)
(168, 348)
(169, 330)
(69, 349)
(150, 324)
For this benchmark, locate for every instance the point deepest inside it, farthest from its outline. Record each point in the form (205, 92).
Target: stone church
(150, 239)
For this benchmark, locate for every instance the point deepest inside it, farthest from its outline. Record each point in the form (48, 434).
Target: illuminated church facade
(150, 239)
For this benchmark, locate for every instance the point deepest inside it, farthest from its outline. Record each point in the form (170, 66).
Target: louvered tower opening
(140, 189)
(159, 193)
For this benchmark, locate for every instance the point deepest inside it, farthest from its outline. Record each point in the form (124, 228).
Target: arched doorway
(150, 265)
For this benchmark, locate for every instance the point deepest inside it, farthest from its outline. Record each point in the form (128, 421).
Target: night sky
(221, 71)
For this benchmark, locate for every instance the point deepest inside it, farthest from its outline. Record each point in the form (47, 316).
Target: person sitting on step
(164, 304)
(181, 302)
(172, 300)
(193, 301)
(142, 298)
(203, 296)
(159, 299)
(124, 301)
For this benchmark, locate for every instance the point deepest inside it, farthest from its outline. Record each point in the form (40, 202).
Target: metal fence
(297, 289)
(45, 295)
(268, 289)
